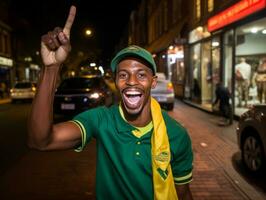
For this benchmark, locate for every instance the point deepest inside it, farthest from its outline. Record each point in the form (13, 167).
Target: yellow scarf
(163, 181)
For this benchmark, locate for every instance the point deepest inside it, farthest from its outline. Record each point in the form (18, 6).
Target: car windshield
(23, 85)
(80, 83)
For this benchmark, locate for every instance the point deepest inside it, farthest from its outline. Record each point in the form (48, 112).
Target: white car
(251, 135)
(164, 92)
(24, 90)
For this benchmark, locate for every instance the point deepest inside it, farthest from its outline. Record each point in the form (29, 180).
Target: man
(223, 97)
(142, 153)
(242, 74)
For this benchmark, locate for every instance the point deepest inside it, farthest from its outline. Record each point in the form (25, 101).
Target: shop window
(250, 69)
(228, 39)
(206, 75)
(216, 57)
(195, 63)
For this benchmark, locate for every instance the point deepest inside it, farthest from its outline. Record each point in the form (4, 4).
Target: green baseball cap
(133, 51)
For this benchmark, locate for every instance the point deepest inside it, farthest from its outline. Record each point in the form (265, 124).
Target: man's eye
(122, 75)
(141, 75)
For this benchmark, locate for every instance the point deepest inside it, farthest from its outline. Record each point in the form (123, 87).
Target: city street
(31, 175)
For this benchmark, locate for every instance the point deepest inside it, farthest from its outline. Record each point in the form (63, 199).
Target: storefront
(6, 75)
(230, 49)
(170, 61)
(176, 68)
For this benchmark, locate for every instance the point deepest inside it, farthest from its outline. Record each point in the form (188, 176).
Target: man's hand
(55, 45)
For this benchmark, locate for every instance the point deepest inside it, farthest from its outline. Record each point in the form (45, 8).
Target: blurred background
(195, 44)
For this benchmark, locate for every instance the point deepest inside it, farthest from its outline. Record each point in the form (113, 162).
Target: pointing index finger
(70, 20)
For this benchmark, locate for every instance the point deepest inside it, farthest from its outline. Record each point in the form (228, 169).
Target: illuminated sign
(238, 11)
(6, 61)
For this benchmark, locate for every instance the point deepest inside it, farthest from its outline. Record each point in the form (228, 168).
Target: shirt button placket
(138, 148)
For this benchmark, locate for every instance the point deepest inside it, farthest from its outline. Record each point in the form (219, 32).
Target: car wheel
(252, 153)
(170, 106)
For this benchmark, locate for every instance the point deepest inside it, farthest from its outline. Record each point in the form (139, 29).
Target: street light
(88, 32)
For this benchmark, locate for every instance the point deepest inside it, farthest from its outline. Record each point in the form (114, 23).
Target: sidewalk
(214, 176)
(5, 100)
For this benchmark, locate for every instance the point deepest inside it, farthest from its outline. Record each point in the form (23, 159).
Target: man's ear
(154, 82)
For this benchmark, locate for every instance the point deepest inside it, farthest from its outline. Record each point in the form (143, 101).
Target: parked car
(164, 92)
(24, 90)
(77, 94)
(251, 134)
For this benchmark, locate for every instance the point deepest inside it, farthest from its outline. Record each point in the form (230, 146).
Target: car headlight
(94, 95)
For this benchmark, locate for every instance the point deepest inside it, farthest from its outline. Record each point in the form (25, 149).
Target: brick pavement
(214, 176)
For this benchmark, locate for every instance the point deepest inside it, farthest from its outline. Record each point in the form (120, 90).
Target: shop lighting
(92, 64)
(254, 30)
(264, 31)
(163, 56)
(215, 44)
(200, 28)
(171, 47)
(153, 55)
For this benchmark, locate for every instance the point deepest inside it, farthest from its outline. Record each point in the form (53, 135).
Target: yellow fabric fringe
(163, 181)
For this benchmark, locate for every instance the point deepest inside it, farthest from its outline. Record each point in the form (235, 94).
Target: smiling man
(142, 153)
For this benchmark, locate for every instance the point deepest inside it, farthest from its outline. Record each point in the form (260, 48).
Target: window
(198, 9)
(250, 68)
(210, 5)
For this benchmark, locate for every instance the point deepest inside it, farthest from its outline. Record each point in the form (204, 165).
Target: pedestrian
(142, 153)
(223, 97)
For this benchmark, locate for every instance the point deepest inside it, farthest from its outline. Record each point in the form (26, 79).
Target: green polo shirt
(124, 167)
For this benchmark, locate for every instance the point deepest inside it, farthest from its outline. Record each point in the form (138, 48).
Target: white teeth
(132, 93)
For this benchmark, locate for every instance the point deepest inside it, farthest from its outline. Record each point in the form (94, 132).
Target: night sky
(107, 19)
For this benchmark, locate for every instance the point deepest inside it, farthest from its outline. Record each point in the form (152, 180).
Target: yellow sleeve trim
(183, 183)
(83, 135)
(183, 177)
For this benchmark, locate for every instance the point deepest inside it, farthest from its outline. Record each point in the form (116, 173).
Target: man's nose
(132, 80)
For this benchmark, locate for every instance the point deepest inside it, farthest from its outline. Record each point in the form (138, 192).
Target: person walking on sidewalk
(223, 97)
(142, 153)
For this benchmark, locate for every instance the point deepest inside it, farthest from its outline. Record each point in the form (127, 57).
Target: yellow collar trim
(140, 131)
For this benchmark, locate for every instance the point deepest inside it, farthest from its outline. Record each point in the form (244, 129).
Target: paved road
(34, 175)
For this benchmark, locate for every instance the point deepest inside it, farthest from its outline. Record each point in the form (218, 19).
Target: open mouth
(132, 98)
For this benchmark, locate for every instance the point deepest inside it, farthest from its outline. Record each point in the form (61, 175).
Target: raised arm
(42, 133)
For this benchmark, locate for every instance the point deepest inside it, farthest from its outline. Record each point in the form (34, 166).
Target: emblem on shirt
(162, 157)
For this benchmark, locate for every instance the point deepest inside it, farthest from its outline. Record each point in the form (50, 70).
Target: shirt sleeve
(88, 122)
(182, 163)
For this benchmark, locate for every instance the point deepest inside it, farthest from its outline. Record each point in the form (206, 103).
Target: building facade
(160, 26)
(7, 72)
(198, 43)
(227, 46)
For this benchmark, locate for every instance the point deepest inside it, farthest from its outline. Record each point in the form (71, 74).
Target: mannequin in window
(242, 75)
(260, 79)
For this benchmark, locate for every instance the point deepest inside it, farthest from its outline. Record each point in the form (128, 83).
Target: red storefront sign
(238, 11)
